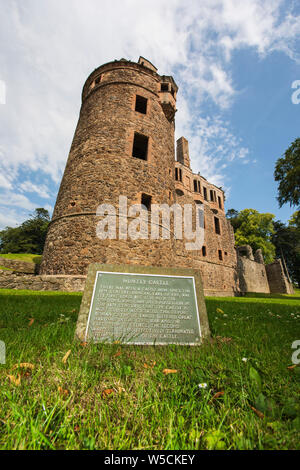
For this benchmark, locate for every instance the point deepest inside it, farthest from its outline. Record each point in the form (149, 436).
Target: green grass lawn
(117, 397)
(31, 258)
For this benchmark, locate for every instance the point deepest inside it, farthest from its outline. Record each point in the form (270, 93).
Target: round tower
(123, 145)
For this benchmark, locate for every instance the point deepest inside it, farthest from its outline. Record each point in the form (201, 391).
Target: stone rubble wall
(278, 281)
(252, 276)
(19, 266)
(10, 280)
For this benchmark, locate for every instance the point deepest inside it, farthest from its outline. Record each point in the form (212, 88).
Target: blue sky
(234, 63)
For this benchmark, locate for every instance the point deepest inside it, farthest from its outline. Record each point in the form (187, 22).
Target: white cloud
(11, 198)
(5, 182)
(29, 187)
(50, 47)
(9, 220)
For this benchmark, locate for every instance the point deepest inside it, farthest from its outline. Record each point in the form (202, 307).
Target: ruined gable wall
(278, 281)
(252, 276)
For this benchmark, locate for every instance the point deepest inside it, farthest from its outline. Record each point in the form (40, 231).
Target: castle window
(217, 225)
(204, 251)
(195, 186)
(211, 195)
(140, 146)
(220, 202)
(146, 201)
(220, 255)
(141, 104)
(205, 193)
(199, 187)
(164, 87)
(178, 174)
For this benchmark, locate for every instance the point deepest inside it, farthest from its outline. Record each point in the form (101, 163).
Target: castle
(124, 145)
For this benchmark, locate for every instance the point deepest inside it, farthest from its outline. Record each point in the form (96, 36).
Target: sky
(235, 63)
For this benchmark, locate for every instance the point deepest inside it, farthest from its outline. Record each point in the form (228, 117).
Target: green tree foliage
(233, 216)
(287, 173)
(286, 239)
(254, 229)
(29, 237)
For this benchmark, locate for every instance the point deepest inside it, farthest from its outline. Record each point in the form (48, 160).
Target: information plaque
(154, 307)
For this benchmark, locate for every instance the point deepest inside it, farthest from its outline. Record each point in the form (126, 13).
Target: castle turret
(123, 145)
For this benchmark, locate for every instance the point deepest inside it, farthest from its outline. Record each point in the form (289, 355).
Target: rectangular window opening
(164, 87)
(220, 255)
(140, 146)
(220, 202)
(195, 186)
(141, 104)
(204, 251)
(146, 201)
(205, 193)
(217, 225)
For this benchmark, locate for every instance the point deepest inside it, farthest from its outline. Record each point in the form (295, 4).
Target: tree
(254, 229)
(233, 215)
(286, 239)
(29, 237)
(287, 173)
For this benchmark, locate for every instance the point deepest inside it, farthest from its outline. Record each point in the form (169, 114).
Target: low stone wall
(10, 280)
(19, 266)
(279, 284)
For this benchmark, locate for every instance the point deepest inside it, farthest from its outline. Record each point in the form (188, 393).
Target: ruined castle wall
(252, 276)
(217, 259)
(41, 283)
(19, 266)
(278, 281)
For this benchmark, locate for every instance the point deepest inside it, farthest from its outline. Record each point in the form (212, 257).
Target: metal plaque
(143, 309)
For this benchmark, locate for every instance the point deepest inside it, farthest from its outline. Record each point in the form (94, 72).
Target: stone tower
(123, 145)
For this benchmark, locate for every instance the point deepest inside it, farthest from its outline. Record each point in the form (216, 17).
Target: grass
(29, 257)
(117, 397)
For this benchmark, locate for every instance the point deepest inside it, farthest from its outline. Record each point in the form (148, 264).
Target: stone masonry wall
(19, 266)
(252, 276)
(278, 281)
(41, 283)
